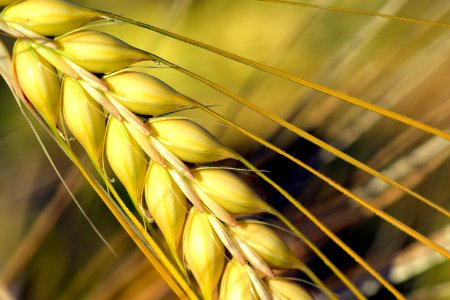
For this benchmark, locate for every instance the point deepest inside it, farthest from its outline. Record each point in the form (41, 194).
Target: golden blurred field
(49, 251)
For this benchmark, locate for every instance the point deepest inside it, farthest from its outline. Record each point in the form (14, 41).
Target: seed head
(203, 251)
(235, 283)
(48, 17)
(188, 140)
(144, 94)
(287, 290)
(99, 52)
(166, 204)
(267, 244)
(38, 80)
(84, 118)
(126, 159)
(229, 191)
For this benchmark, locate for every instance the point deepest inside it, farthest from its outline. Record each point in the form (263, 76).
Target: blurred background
(49, 251)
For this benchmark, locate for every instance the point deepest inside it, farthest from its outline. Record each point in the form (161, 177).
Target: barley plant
(317, 169)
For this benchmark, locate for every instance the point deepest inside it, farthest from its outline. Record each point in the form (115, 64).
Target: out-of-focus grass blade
(359, 12)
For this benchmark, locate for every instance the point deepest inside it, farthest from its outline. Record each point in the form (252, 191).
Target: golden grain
(38, 80)
(84, 117)
(99, 52)
(48, 17)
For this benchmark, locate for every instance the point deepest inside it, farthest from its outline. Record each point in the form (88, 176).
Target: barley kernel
(99, 52)
(49, 17)
(127, 159)
(84, 118)
(267, 244)
(229, 191)
(38, 80)
(287, 290)
(235, 283)
(188, 140)
(203, 251)
(166, 203)
(144, 94)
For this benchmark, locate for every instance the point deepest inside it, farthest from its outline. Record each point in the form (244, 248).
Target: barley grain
(144, 94)
(84, 117)
(38, 80)
(229, 191)
(188, 140)
(235, 283)
(127, 159)
(204, 252)
(267, 244)
(48, 17)
(287, 290)
(166, 204)
(99, 52)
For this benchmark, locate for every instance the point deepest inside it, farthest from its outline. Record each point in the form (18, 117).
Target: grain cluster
(79, 81)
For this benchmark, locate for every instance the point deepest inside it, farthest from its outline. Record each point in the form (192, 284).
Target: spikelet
(188, 140)
(144, 94)
(283, 289)
(84, 118)
(48, 17)
(235, 283)
(203, 251)
(166, 204)
(229, 191)
(38, 80)
(126, 159)
(267, 244)
(99, 52)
